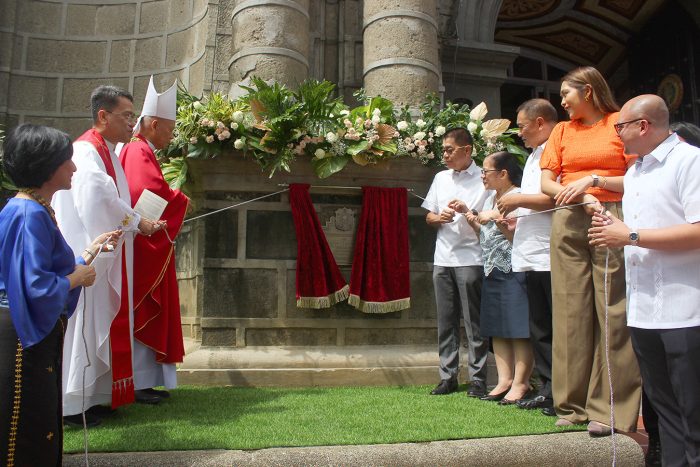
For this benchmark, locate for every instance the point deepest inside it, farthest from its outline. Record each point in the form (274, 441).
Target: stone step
(314, 366)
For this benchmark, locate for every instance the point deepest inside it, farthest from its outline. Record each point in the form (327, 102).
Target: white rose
(331, 137)
(193, 140)
(440, 130)
(419, 135)
(376, 113)
(420, 123)
(209, 139)
(238, 144)
(478, 112)
(472, 127)
(402, 125)
(234, 126)
(375, 120)
(237, 116)
(320, 153)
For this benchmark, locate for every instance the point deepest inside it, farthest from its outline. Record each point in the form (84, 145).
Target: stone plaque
(340, 233)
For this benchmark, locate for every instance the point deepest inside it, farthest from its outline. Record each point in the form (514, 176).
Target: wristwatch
(634, 238)
(596, 179)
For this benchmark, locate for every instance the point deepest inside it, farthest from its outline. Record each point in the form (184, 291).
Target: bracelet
(90, 253)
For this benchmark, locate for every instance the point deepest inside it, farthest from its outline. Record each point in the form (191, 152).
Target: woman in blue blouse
(40, 282)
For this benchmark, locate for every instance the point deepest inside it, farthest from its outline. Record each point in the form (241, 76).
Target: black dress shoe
(549, 411)
(446, 386)
(101, 411)
(476, 389)
(495, 397)
(157, 392)
(539, 402)
(142, 397)
(77, 420)
(653, 456)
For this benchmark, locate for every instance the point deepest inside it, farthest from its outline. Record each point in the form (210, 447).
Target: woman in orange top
(584, 162)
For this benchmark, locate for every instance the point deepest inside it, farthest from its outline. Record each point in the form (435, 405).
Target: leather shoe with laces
(538, 402)
(476, 389)
(446, 386)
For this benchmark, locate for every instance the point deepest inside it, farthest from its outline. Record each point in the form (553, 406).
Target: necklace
(31, 192)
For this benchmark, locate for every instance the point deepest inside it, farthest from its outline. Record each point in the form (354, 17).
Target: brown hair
(603, 99)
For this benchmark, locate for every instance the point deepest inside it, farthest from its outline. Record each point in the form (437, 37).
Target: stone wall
(237, 268)
(53, 53)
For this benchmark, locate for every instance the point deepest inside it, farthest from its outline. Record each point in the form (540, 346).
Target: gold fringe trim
(324, 302)
(14, 421)
(379, 307)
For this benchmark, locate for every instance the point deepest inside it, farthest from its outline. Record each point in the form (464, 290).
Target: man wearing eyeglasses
(458, 265)
(661, 236)
(100, 333)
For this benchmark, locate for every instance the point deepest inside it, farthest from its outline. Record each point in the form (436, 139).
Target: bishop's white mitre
(163, 105)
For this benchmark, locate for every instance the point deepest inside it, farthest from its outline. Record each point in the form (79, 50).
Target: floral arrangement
(275, 126)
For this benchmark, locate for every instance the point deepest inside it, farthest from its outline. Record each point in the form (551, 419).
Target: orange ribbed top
(575, 150)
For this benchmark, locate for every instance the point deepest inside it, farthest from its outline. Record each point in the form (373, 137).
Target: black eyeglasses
(128, 116)
(621, 125)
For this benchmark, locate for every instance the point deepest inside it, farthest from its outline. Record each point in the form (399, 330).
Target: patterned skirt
(31, 419)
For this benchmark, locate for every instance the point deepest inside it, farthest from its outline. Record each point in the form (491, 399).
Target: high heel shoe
(495, 397)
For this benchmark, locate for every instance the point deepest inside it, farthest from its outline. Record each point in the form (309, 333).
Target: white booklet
(150, 205)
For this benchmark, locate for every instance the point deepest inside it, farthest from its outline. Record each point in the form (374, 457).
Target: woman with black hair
(504, 305)
(40, 282)
(687, 132)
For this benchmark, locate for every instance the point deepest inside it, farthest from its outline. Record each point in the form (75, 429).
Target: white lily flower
(472, 127)
(478, 112)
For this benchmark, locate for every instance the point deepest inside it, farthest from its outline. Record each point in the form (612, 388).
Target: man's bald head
(649, 107)
(643, 124)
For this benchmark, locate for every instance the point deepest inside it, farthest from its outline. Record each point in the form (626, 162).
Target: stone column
(270, 40)
(401, 59)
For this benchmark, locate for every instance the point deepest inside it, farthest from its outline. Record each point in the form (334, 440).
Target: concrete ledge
(562, 449)
(314, 366)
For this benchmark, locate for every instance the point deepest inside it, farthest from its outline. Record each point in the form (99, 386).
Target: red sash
(119, 331)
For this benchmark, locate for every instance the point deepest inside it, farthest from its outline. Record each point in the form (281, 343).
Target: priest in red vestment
(158, 344)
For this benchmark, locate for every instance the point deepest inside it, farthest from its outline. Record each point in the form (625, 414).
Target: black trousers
(31, 419)
(539, 297)
(669, 361)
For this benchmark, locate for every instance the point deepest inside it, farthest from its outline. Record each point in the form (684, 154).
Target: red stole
(119, 332)
(157, 322)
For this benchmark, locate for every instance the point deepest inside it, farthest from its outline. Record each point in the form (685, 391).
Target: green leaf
(356, 148)
(324, 168)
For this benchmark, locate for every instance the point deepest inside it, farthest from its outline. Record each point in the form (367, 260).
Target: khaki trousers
(580, 383)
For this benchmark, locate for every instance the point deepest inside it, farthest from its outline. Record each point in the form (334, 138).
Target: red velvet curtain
(380, 280)
(319, 282)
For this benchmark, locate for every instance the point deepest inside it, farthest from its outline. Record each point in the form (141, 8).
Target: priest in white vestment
(97, 358)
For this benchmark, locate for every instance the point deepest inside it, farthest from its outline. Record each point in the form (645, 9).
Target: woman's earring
(587, 98)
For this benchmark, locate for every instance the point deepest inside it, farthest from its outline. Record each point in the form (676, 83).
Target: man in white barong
(97, 357)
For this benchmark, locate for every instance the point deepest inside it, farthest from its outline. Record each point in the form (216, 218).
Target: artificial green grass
(255, 418)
